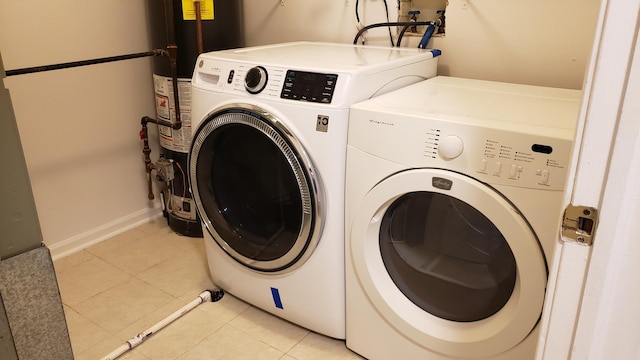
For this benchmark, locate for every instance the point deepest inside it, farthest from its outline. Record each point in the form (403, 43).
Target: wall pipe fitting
(404, 24)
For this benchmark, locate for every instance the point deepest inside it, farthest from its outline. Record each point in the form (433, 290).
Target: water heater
(218, 27)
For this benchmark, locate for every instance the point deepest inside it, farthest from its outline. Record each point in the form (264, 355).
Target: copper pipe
(198, 26)
(172, 53)
(148, 165)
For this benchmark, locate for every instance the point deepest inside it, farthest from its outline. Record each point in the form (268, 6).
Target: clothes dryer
(267, 167)
(453, 196)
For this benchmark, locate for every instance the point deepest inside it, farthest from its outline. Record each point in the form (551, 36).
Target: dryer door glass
(446, 256)
(252, 191)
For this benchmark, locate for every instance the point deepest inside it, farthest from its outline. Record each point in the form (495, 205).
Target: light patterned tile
(110, 306)
(152, 318)
(89, 278)
(231, 343)
(122, 305)
(70, 261)
(105, 347)
(319, 347)
(134, 251)
(185, 273)
(180, 336)
(156, 226)
(84, 334)
(269, 329)
(226, 309)
(194, 245)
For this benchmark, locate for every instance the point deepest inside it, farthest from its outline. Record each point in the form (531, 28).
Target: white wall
(539, 42)
(79, 127)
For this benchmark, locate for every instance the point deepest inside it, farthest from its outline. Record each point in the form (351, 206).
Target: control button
(497, 168)
(256, 79)
(483, 165)
(450, 147)
(545, 177)
(513, 171)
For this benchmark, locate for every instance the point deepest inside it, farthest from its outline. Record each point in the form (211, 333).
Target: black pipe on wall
(36, 69)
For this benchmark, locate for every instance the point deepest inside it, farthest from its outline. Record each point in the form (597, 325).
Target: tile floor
(120, 287)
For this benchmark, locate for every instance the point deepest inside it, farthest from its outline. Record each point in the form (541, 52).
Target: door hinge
(579, 224)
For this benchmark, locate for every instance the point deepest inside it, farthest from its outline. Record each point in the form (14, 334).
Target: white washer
(267, 167)
(453, 196)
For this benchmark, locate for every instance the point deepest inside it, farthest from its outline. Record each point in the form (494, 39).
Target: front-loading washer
(453, 203)
(267, 167)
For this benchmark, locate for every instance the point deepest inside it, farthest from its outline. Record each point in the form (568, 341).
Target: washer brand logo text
(441, 183)
(378, 122)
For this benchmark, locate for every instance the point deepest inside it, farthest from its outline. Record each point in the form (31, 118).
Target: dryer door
(449, 262)
(255, 188)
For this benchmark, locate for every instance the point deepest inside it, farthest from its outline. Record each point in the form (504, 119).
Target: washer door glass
(446, 257)
(253, 190)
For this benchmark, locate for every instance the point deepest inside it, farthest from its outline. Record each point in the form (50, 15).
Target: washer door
(255, 188)
(448, 262)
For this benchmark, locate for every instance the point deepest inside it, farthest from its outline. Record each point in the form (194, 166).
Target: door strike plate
(579, 224)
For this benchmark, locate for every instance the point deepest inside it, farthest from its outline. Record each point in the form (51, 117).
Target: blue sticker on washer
(276, 298)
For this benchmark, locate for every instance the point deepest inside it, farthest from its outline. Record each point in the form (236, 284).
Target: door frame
(591, 311)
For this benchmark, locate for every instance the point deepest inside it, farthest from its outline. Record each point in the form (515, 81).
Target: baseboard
(103, 232)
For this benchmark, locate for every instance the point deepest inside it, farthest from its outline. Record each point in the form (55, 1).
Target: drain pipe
(208, 295)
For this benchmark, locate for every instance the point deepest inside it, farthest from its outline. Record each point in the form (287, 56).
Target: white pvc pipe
(208, 295)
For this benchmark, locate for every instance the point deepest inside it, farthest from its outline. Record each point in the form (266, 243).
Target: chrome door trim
(307, 177)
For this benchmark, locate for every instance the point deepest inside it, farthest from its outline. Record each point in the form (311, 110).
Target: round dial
(256, 79)
(450, 147)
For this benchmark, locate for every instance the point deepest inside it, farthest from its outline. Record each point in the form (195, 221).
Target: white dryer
(453, 197)
(267, 167)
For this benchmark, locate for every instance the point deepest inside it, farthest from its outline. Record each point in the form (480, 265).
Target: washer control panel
(309, 86)
(266, 81)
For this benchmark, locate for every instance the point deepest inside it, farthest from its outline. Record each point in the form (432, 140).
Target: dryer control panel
(516, 155)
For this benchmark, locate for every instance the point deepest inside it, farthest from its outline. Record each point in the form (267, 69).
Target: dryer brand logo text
(378, 122)
(441, 183)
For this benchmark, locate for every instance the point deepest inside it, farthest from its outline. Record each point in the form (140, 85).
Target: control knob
(256, 79)
(450, 147)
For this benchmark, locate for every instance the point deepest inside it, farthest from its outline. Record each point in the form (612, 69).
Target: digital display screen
(309, 86)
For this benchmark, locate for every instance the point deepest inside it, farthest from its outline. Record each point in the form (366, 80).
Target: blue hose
(427, 35)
